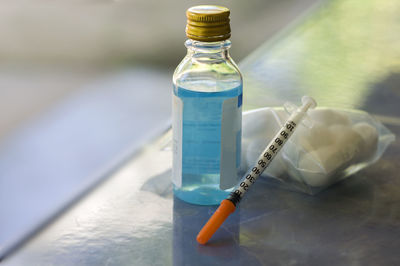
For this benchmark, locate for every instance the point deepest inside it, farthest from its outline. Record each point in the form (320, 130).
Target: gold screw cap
(208, 23)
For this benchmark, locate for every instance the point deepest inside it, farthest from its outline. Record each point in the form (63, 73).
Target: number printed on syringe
(268, 155)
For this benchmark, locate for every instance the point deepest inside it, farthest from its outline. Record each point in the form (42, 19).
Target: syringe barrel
(267, 156)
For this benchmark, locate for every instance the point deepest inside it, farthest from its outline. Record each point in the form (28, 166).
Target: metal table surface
(346, 54)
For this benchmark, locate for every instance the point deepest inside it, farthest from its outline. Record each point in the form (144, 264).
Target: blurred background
(49, 49)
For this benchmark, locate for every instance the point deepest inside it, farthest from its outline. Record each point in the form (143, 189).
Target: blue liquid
(201, 145)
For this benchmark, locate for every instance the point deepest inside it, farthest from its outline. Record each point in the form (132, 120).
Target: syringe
(229, 205)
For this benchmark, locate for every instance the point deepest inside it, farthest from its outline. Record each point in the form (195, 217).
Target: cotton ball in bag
(319, 135)
(315, 137)
(320, 166)
(349, 143)
(369, 134)
(329, 117)
(313, 166)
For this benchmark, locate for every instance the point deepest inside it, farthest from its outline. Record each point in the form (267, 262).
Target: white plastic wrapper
(329, 146)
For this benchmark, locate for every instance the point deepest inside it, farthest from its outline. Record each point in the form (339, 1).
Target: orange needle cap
(219, 216)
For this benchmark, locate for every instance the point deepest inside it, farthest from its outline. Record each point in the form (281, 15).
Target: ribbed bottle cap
(208, 23)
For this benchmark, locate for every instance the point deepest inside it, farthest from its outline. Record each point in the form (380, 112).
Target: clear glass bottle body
(206, 123)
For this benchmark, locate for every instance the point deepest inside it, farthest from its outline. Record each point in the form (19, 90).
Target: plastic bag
(335, 145)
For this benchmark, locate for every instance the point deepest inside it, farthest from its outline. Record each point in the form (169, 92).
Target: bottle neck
(220, 48)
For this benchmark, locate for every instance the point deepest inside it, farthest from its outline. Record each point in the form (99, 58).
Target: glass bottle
(207, 110)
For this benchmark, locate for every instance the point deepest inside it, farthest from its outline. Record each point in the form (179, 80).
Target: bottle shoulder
(222, 72)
